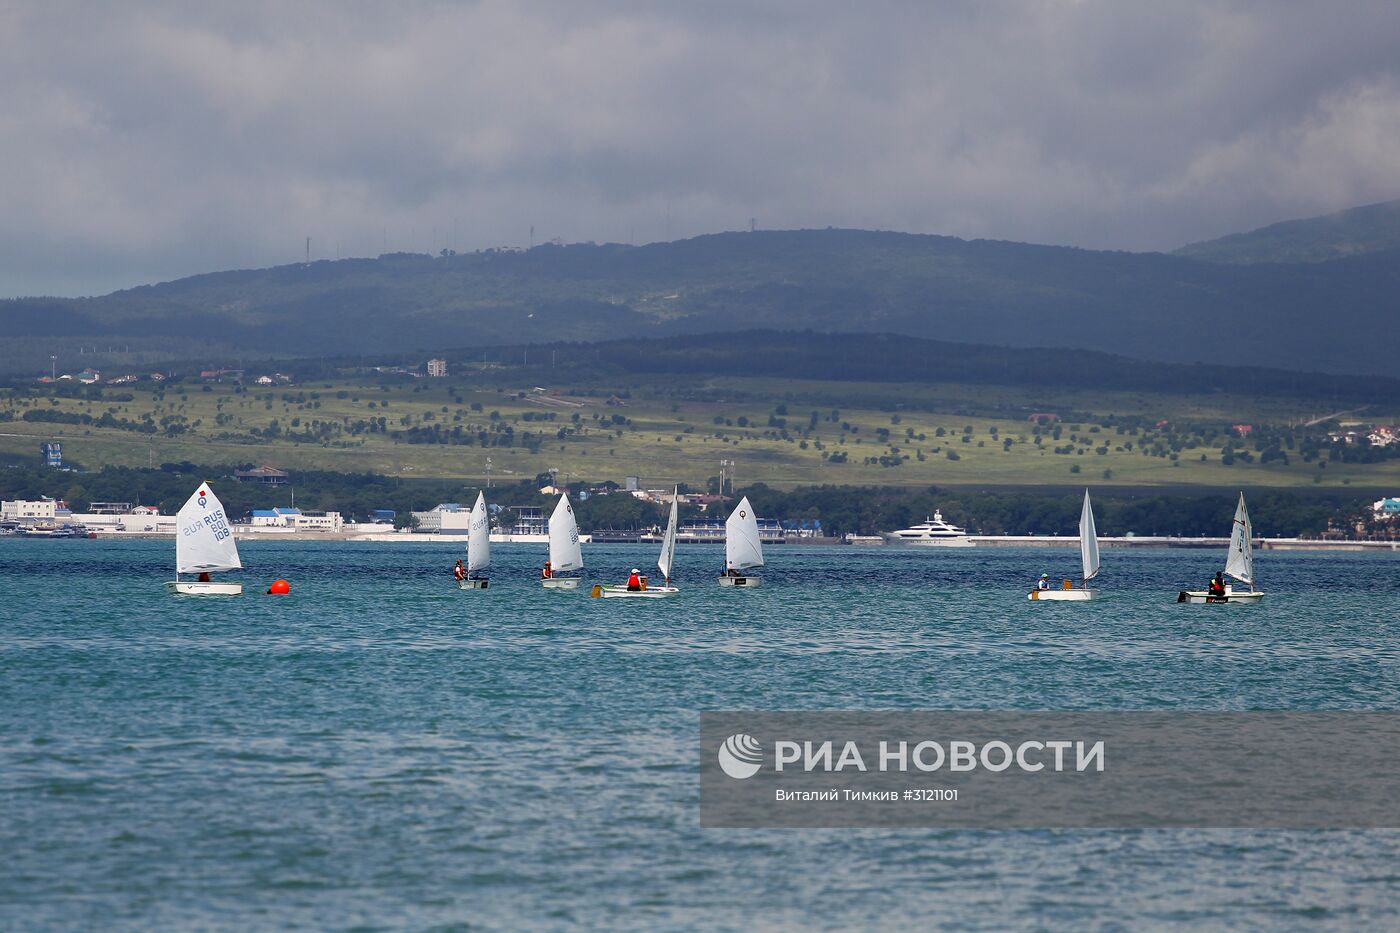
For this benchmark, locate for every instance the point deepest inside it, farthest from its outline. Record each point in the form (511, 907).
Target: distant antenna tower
(726, 475)
(532, 236)
(308, 251)
(753, 223)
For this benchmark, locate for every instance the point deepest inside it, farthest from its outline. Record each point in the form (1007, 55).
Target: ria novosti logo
(740, 756)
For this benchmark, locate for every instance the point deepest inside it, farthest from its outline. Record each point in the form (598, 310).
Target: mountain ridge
(1355, 231)
(1157, 306)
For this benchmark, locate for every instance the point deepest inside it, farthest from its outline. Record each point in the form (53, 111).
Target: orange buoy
(279, 588)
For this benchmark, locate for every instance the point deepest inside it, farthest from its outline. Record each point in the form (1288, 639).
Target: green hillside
(1374, 228)
(1151, 306)
(672, 413)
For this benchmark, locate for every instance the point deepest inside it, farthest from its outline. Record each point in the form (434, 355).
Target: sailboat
(478, 546)
(204, 545)
(742, 547)
(663, 563)
(1239, 564)
(564, 551)
(1088, 556)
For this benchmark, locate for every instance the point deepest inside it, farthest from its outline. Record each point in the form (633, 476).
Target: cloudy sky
(142, 141)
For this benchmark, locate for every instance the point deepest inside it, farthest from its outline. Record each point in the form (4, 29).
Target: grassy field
(780, 432)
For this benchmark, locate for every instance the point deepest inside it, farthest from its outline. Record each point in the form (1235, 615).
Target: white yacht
(933, 532)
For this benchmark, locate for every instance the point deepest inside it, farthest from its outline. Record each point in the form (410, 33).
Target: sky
(144, 141)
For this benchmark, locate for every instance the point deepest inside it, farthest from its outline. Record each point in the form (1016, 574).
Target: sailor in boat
(731, 572)
(204, 577)
(1044, 582)
(634, 582)
(547, 572)
(459, 573)
(1216, 588)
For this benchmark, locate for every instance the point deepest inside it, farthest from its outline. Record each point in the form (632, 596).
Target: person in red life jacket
(204, 577)
(459, 572)
(634, 582)
(1217, 586)
(547, 572)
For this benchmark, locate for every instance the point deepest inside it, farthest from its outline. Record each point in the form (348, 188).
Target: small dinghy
(478, 546)
(564, 552)
(204, 545)
(1089, 558)
(1239, 564)
(742, 547)
(663, 562)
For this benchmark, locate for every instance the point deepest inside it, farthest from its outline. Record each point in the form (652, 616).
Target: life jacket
(634, 582)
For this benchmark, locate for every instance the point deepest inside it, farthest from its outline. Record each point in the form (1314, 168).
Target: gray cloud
(144, 141)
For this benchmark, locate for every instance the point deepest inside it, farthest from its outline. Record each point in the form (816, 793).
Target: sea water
(382, 750)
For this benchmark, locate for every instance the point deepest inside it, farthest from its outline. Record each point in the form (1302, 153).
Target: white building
(437, 368)
(143, 519)
(318, 521)
(446, 518)
(297, 520)
(27, 510)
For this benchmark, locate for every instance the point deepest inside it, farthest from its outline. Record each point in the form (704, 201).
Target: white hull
(931, 532)
(930, 542)
(473, 584)
(619, 592)
(204, 589)
(1062, 595)
(561, 583)
(1201, 596)
(749, 582)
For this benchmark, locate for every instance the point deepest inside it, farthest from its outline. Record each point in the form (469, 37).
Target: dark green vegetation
(1374, 228)
(1330, 316)
(841, 509)
(892, 358)
(1044, 512)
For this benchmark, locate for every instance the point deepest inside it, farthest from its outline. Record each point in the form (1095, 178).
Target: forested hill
(1330, 316)
(1374, 228)
(898, 359)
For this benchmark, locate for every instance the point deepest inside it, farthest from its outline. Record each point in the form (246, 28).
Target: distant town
(434, 368)
(52, 517)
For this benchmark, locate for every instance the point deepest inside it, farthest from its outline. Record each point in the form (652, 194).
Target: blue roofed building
(282, 517)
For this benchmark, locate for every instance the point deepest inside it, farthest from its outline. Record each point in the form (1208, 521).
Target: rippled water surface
(381, 750)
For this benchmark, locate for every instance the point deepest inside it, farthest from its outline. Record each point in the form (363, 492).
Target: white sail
(668, 541)
(564, 552)
(742, 547)
(204, 542)
(1088, 540)
(479, 536)
(1240, 563)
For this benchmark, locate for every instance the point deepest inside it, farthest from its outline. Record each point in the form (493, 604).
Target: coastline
(991, 541)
